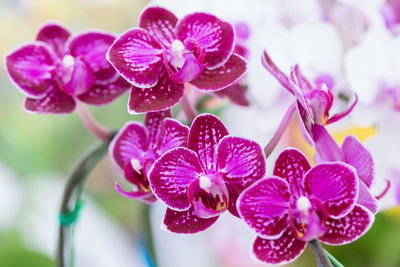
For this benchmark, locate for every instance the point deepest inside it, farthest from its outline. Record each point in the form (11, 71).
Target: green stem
(149, 235)
(319, 253)
(333, 260)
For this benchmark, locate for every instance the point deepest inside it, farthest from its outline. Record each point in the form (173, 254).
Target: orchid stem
(280, 131)
(319, 253)
(95, 128)
(149, 236)
(188, 108)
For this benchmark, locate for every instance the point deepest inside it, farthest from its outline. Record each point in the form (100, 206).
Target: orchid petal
(275, 71)
(216, 37)
(343, 114)
(173, 134)
(137, 56)
(81, 79)
(190, 70)
(305, 124)
(171, 175)
(335, 184)
(366, 199)
(160, 23)
(264, 207)
(349, 228)
(241, 161)
(55, 102)
(295, 84)
(222, 77)
(162, 96)
(129, 143)
(237, 93)
(31, 68)
(319, 102)
(325, 146)
(233, 196)
(283, 250)
(145, 197)
(54, 35)
(185, 222)
(153, 122)
(292, 165)
(204, 135)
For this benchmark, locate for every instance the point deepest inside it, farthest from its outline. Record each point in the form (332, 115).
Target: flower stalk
(320, 256)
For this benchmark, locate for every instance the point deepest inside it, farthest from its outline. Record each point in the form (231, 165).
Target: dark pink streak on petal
(360, 158)
(275, 71)
(173, 134)
(55, 35)
(305, 123)
(204, 135)
(159, 22)
(295, 80)
(325, 146)
(171, 175)
(185, 222)
(190, 70)
(216, 37)
(137, 56)
(31, 68)
(348, 228)
(162, 96)
(343, 114)
(153, 122)
(130, 143)
(335, 184)
(56, 102)
(222, 77)
(264, 207)
(283, 250)
(292, 165)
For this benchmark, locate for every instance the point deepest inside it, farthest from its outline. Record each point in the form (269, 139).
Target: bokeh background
(37, 151)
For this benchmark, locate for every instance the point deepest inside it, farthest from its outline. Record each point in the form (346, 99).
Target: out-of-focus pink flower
(391, 14)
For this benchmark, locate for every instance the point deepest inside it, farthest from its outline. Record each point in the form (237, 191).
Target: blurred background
(37, 151)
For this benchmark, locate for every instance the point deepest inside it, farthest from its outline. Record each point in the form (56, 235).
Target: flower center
(303, 205)
(176, 52)
(136, 166)
(67, 68)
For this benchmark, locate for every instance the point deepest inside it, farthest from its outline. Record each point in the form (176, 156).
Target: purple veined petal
(81, 79)
(295, 78)
(343, 114)
(237, 93)
(360, 158)
(171, 175)
(305, 124)
(366, 199)
(283, 250)
(216, 37)
(222, 77)
(241, 161)
(264, 207)
(319, 102)
(173, 134)
(92, 47)
(102, 94)
(325, 146)
(292, 165)
(335, 184)
(31, 68)
(153, 122)
(55, 102)
(349, 228)
(145, 197)
(160, 23)
(185, 222)
(54, 35)
(164, 95)
(129, 143)
(204, 135)
(137, 56)
(190, 70)
(233, 196)
(275, 71)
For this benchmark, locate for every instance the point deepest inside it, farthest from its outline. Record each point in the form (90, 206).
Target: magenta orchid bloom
(136, 147)
(58, 69)
(313, 101)
(353, 153)
(164, 53)
(391, 14)
(299, 204)
(202, 181)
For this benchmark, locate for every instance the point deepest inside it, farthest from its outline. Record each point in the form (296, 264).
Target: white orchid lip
(303, 204)
(136, 166)
(177, 49)
(205, 183)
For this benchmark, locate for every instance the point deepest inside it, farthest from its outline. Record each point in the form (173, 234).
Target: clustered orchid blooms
(201, 171)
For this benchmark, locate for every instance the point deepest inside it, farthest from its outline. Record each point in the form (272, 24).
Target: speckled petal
(216, 37)
(292, 165)
(160, 23)
(283, 250)
(130, 143)
(335, 184)
(185, 222)
(164, 95)
(54, 35)
(204, 135)
(153, 122)
(145, 197)
(173, 134)
(171, 175)
(137, 56)
(348, 228)
(31, 68)
(222, 77)
(55, 102)
(264, 207)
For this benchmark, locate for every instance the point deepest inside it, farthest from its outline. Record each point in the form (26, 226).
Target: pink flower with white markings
(59, 69)
(164, 53)
(202, 181)
(136, 147)
(299, 204)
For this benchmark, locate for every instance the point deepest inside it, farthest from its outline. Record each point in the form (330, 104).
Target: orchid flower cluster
(201, 171)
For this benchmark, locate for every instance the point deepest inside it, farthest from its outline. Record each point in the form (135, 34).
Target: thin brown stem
(319, 253)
